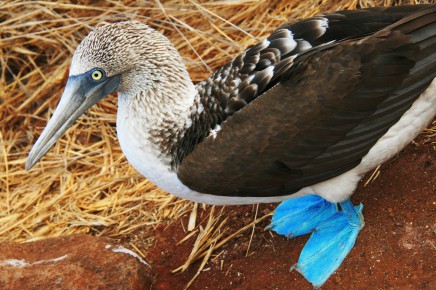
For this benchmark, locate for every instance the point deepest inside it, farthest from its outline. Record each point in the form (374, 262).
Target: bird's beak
(79, 95)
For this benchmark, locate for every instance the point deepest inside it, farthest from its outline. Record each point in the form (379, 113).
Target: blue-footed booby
(299, 117)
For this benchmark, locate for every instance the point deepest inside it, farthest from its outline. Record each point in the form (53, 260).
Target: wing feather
(324, 114)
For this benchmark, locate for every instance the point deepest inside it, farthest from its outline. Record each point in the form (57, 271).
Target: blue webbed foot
(329, 244)
(334, 233)
(299, 216)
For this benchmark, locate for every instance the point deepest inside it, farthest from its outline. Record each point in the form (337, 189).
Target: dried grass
(84, 184)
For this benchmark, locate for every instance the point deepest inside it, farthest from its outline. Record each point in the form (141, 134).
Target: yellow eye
(97, 75)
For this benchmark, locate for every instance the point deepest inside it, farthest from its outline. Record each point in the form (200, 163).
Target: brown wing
(242, 80)
(322, 117)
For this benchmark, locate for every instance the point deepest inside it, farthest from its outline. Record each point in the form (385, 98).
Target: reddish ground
(395, 249)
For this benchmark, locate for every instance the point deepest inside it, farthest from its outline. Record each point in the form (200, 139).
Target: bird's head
(127, 57)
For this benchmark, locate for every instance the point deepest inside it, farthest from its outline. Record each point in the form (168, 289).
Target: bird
(296, 118)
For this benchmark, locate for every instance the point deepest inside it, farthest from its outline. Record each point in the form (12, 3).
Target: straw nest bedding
(84, 184)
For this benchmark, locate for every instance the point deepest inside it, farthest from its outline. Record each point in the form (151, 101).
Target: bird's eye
(97, 74)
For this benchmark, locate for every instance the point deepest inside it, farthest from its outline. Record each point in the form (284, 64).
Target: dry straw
(84, 184)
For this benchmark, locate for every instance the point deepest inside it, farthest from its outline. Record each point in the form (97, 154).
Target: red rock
(73, 262)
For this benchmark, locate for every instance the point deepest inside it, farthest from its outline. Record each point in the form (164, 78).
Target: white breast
(146, 159)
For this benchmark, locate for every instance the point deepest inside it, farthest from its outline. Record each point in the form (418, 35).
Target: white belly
(145, 158)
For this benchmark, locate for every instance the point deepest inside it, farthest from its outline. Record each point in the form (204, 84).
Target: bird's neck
(156, 115)
(162, 124)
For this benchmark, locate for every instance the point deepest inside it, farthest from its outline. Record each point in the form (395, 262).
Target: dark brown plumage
(302, 130)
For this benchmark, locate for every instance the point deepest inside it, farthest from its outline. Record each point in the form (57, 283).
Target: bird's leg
(300, 216)
(331, 240)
